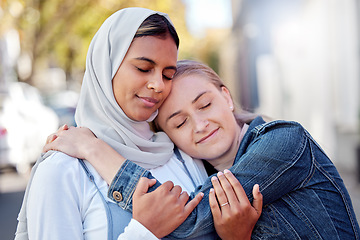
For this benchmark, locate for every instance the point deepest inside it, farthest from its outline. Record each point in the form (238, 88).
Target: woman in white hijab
(129, 67)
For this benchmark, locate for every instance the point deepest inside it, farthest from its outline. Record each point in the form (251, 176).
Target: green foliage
(57, 33)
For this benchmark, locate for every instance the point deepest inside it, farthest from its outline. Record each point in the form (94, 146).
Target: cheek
(173, 134)
(168, 85)
(182, 139)
(117, 92)
(230, 126)
(121, 90)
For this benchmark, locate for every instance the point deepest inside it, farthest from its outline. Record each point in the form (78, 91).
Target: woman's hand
(74, 141)
(53, 136)
(164, 209)
(80, 142)
(234, 216)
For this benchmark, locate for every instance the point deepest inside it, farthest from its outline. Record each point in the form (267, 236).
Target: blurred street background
(288, 59)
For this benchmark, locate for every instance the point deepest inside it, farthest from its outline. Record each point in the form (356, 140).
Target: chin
(142, 118)
(139, 118)
(217, 153)
(141, 115)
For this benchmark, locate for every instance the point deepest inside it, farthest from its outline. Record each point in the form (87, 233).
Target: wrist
(105, 159)
(94, 149)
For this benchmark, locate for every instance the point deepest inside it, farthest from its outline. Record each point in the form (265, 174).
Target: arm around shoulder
(105, 159)
(272, 156)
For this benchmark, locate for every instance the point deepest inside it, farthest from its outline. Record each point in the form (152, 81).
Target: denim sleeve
(271, 159)
(278, 159)
(124, 183)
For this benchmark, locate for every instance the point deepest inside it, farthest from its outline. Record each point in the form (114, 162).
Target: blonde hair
(190, 67)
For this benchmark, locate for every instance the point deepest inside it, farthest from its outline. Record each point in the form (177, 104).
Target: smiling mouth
(148, 101)
(212, 133)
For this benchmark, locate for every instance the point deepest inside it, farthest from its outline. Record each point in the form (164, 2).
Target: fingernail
(220, 174)
(213, 178)
(211, 190)
(53, 137)
(226, 171)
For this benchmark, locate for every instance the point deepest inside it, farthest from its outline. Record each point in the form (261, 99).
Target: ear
(226, 94)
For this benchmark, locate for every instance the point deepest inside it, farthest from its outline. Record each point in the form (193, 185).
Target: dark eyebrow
(193, 101)
(146, 59)
(172, 68)
(154, 63)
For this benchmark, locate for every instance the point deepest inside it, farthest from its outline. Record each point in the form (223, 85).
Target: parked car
(25, 123)
(4, 146)
(64, 105)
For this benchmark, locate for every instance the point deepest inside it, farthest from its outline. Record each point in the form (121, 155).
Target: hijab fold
(97, 108)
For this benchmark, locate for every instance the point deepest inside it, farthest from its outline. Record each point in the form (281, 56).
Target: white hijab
(97, 108)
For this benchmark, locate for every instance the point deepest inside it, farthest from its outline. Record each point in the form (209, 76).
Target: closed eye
(169, 73)
(142, 70)
(167, 78)
(181, 124)
(207, 105)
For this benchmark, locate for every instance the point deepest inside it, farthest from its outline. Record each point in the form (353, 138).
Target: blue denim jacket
(304, 195)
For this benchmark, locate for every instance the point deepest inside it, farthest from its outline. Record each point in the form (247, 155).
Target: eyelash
(142, 70)
(207, 105)
(181, 124)
(167, 78)
(145, 71)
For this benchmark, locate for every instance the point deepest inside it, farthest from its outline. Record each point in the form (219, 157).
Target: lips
(211, 134)
(149, 101)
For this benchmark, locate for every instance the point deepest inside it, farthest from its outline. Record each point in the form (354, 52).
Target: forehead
(153, 47)
(184, 90)
(190, 85)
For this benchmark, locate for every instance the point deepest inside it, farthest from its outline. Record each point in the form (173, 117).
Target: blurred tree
(57, 33)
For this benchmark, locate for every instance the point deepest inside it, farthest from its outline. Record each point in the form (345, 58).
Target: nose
(156, 83)
(200, 124)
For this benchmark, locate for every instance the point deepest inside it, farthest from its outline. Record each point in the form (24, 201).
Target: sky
(203, 14)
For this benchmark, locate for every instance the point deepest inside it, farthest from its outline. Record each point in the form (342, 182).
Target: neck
(225, 165)
(226, 160)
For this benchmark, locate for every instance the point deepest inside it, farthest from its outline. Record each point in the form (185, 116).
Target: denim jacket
(304, 195)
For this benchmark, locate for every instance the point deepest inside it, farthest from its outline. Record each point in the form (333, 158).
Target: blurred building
(297, 60)
(25, 121)
(9, 53)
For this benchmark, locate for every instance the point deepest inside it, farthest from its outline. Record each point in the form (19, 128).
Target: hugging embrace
(201, 170)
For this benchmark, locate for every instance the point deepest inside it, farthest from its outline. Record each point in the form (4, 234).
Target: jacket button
(117, 196)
